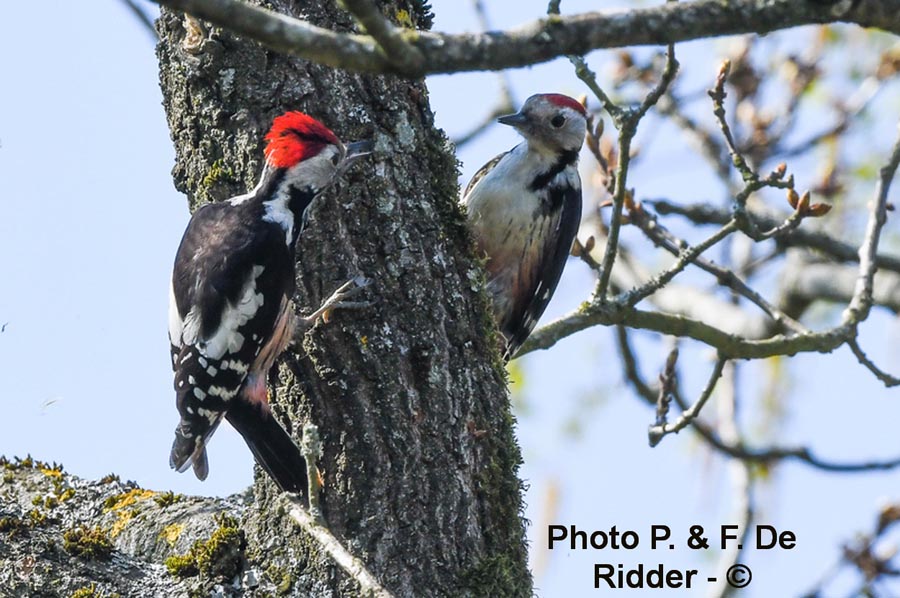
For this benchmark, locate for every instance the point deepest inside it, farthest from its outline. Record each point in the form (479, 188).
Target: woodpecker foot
(337, 300)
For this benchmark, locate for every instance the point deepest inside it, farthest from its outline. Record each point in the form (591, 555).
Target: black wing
(230, 275)
(545, 271)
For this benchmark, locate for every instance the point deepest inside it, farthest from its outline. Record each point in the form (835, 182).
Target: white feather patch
(278, 212)
(227, 339)
(175, 322)
(224, 393)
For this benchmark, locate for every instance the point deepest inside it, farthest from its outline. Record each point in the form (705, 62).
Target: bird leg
(337, 300)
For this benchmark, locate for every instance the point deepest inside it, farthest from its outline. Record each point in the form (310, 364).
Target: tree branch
(540, 40)
(862, 300)
(729, 345)
(738, 450)
(389, 38)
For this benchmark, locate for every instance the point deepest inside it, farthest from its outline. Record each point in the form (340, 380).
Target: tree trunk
(409, 395)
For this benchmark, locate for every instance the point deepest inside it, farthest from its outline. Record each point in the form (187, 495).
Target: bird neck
(548, 163)
(279, 200)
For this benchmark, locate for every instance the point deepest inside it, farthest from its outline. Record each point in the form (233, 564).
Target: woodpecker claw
(337, 300)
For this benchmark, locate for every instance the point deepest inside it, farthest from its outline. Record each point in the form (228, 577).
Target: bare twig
(685, 256)
(859, 307)
(885, 378)
(863, 553)
(659, 431)
(705, 213)
(667, 383)
(626, 120)
(665, 239)
(354, 567)
(311, 449)
(314, 524)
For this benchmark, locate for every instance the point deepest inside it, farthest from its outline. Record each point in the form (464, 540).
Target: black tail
(273, 448)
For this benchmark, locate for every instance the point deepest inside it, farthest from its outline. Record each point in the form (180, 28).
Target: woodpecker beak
(355, 151)
(514, 120)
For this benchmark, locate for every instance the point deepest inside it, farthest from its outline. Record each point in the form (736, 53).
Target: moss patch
(166, 499)
(88, 542)
(91, 592)
(182, 565)
(219, 172)
(11, 525)
(219, 556)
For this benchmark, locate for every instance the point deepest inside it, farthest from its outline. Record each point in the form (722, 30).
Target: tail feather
(272, 447)
(189, 447)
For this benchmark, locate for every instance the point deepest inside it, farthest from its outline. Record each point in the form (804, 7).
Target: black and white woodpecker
(230, 308)
(524, 208)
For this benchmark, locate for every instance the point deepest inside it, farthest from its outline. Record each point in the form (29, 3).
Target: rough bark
(420, 462)
(43, 555)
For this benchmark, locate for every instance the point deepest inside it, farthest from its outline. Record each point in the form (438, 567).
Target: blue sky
(90, 222)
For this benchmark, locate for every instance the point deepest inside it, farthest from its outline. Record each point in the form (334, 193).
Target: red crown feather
(561, 100)
(294, 137)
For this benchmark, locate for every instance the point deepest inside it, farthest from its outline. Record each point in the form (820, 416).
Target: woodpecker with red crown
(230, 308)
(524, 208)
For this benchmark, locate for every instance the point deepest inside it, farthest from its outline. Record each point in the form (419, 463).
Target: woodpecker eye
(558, 121)
(336, 158)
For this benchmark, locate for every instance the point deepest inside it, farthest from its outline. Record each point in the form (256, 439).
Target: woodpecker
(230, 308)
(524, 208)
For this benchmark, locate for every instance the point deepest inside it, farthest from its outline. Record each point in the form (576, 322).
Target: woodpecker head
(309, 153)
(551, 122)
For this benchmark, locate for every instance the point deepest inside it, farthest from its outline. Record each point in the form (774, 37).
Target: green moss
(36, 518)
(11, 525)
(223, 551)
(8, 477)
(87, 542)
(219, 172)
(182, 565)
(502, 571)
(166, 499)
(91, 592)
(219, 556)
(66, 494)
